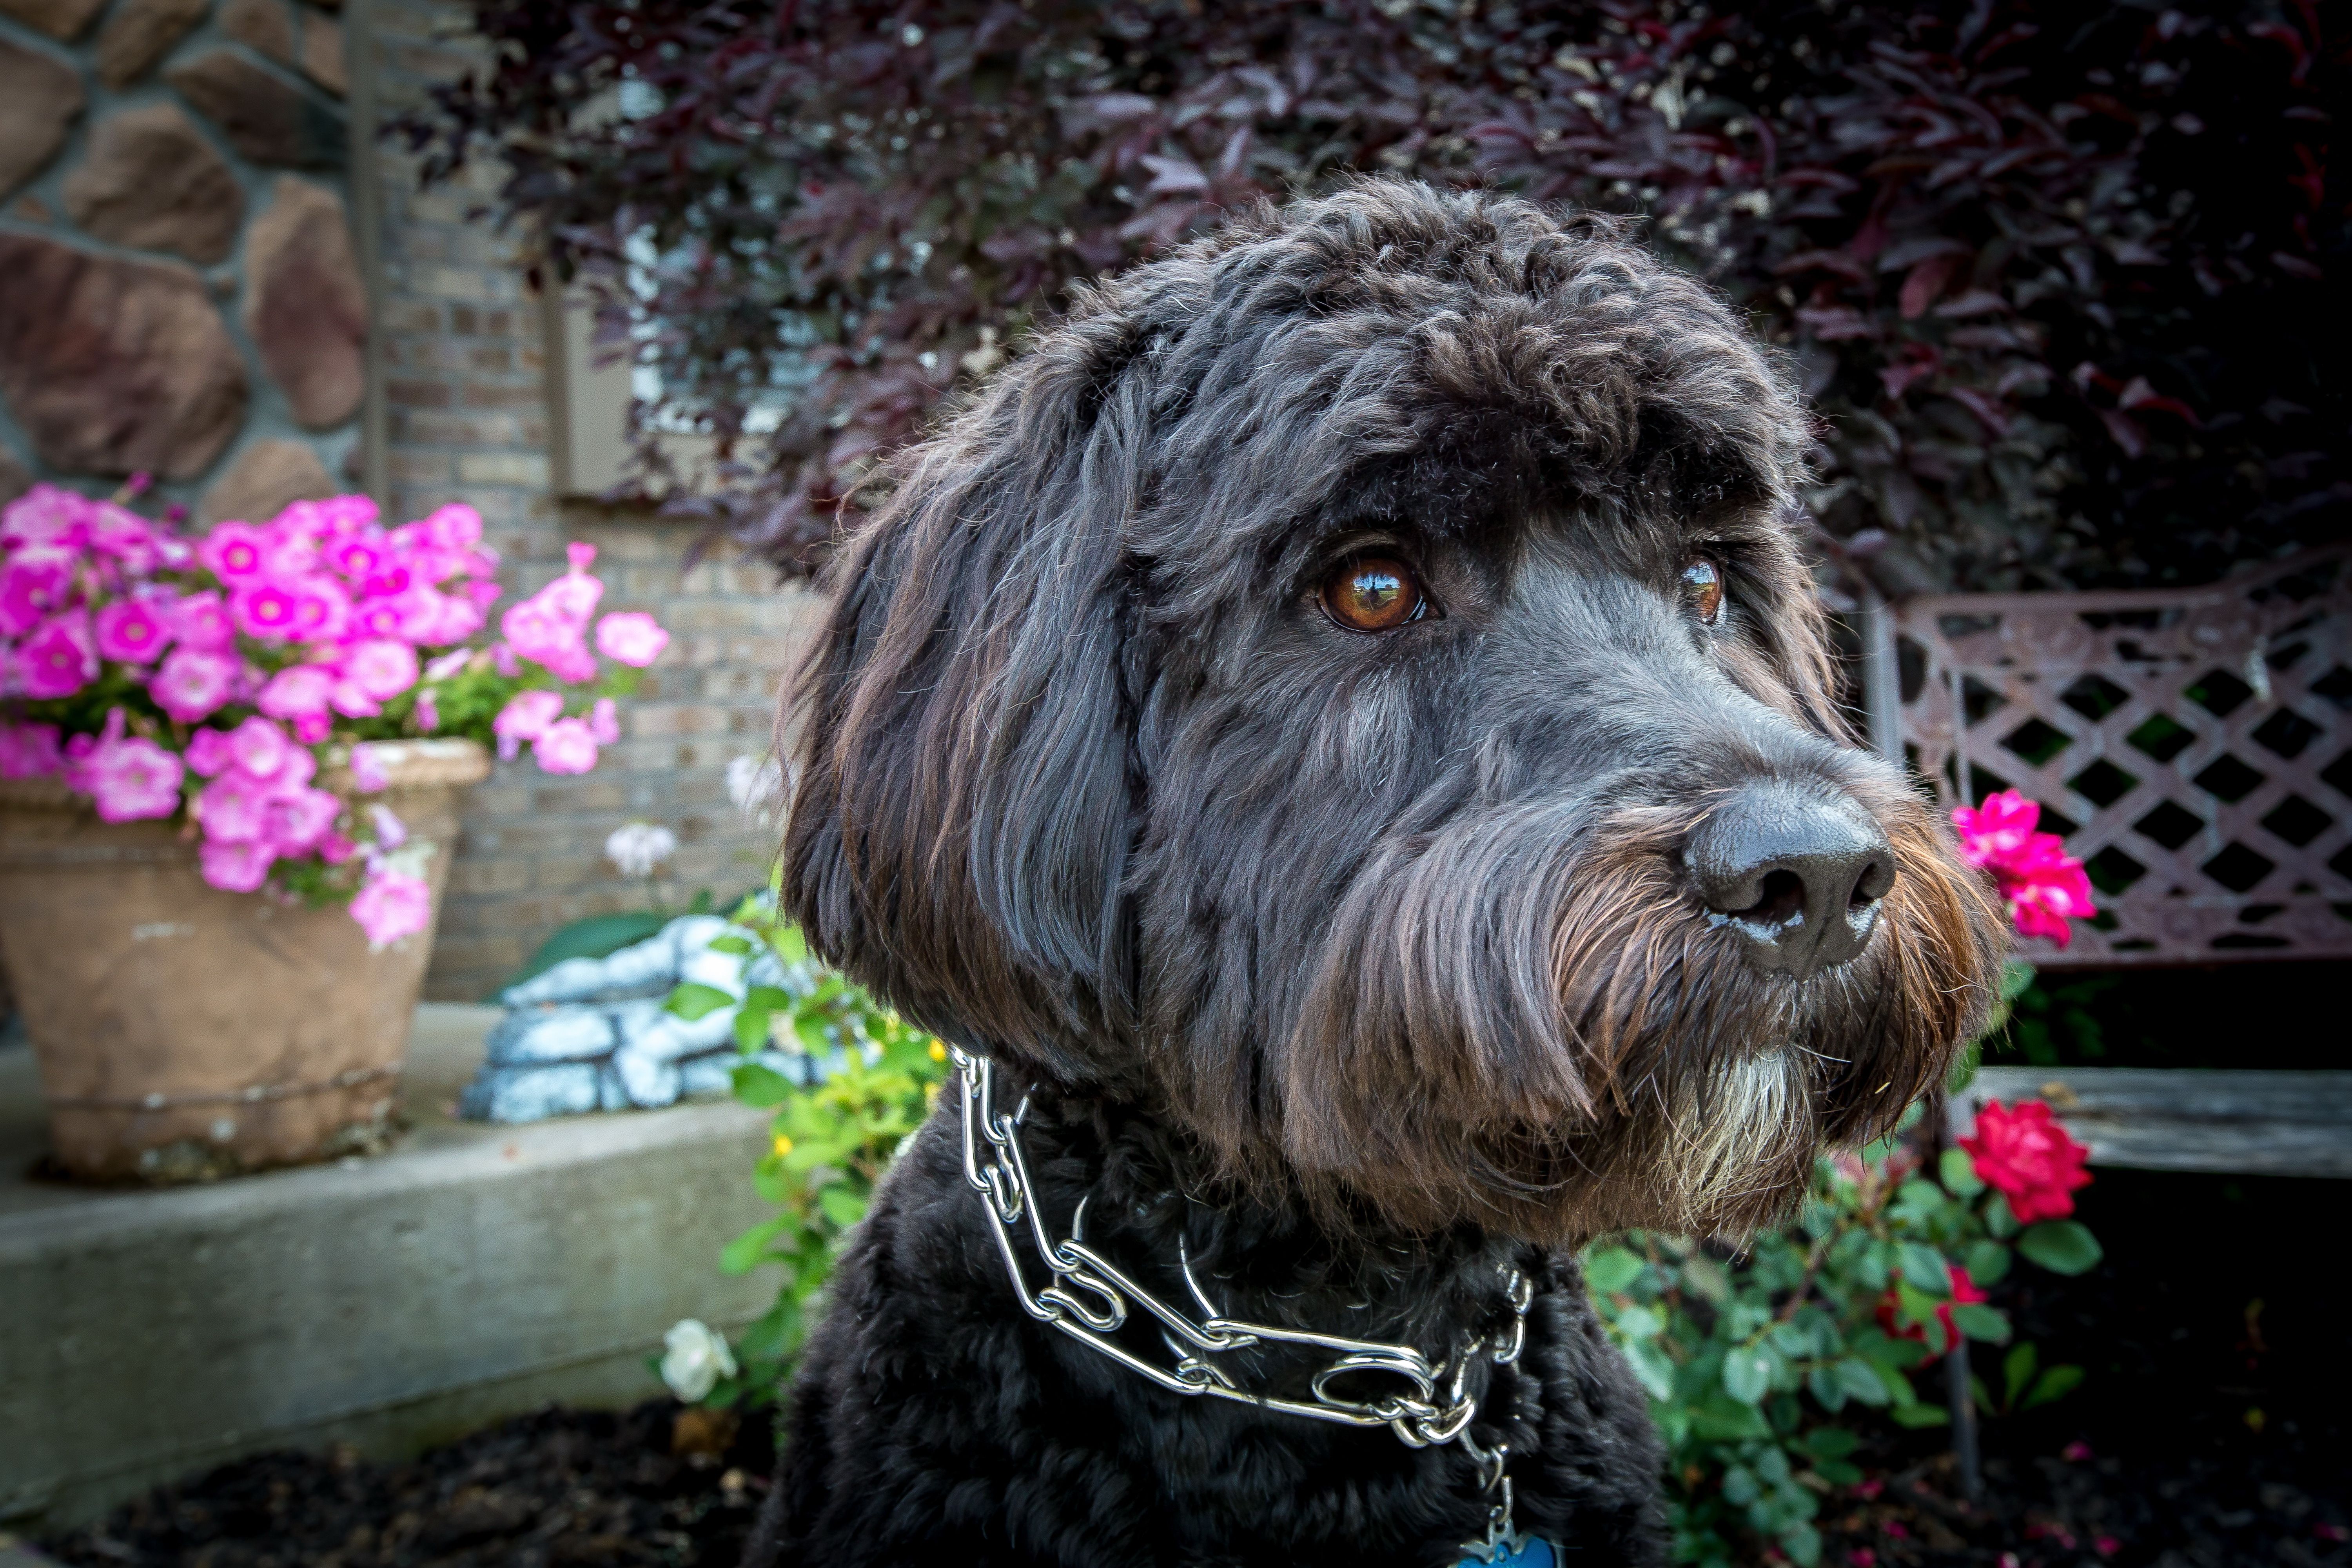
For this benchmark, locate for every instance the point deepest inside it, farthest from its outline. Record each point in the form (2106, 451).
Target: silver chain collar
(1436, 1411)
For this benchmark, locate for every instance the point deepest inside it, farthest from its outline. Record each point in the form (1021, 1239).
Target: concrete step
(470, 1274)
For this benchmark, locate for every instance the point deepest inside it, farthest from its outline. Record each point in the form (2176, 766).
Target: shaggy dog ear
(961, 811)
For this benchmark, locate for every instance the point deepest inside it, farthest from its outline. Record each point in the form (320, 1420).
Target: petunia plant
(215, 680)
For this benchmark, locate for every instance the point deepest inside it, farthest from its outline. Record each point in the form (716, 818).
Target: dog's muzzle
(1797, 875)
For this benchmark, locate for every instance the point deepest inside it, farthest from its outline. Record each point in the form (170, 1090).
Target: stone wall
(175, 175)
(183, 295)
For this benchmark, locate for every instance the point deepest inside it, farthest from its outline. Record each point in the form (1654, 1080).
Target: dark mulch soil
(2213, 1432)
(562, 1486)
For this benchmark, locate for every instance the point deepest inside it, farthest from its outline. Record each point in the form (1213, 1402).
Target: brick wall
(464, 382)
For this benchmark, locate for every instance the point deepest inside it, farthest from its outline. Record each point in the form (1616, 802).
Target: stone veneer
(180, 292)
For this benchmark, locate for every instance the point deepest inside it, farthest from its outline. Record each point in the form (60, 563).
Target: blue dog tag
(1532, 1552)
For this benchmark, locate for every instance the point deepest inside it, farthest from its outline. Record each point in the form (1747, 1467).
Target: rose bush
(2045, 888)
(211, 679)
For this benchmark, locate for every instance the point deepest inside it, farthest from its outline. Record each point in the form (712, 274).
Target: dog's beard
(1732, 1138)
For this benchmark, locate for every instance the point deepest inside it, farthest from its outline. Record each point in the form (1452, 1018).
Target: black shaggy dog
(1341, 725)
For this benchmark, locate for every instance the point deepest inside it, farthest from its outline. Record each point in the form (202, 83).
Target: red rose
(1964, 1293)
(2030, 1158)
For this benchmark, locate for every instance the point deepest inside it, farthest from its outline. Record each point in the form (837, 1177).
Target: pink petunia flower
(566, 746)
(60, 659)
(525, 717)
(322, 611)
(538, 632)
(334, 848)
(127, 538)
(266, 608)
(234, 806)
(294, 820)
(259, 747)
(235, 867)
(356, 556)
(604, 722)
(28, 750)
(390, 906)
(130, 632)
(200, 621)
(631, 637)
(129, 778)
(36, 581)
(367, 769)
(209, 753)
(391, 833)
(298, 691)
(191, 684)
(450, 664)
(428, 713)
(46, 515)
(234, 552)
(453, 527)
(382, 667)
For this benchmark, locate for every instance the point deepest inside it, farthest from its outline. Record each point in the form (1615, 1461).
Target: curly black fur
(1361, 963)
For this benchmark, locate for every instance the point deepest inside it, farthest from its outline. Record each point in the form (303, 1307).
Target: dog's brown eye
(1372, 593)
(1703, 589)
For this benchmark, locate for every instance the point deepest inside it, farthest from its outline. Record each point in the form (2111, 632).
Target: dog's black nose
(1795, 873)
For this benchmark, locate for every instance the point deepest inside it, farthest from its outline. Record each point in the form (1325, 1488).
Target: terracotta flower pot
(185, 1032)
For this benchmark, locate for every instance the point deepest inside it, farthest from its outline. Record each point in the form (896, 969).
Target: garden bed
(2211, 1431)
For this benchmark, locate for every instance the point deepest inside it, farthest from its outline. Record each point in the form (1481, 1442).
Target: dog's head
(1351, 686)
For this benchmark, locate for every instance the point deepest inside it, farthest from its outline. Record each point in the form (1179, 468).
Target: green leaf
(2017, 1371)
(1828, 1392)
(1612, 1269)
(1830, 1442)
(2061, 1246)
(1978, 1321)
(761, 1086)
(1747, 1374)
(1651, 1368)
(1705, 1277)
(751, 1031)
(1837, 1472)
(747, 1251)
(1802, 1543)
(739, 945)
(692, 1000)
(1639, 1322)
(1864, 1382)
(842, 1207)
(2055, 1383)
(790, 946)
(768, 998)
(1987, 1262)
(1998, 1218)
(1959, 1173)
(1924, 1270)
(1917, 1414)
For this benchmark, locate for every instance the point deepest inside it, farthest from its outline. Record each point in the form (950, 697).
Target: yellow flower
(783, 1145)
(938, 1052)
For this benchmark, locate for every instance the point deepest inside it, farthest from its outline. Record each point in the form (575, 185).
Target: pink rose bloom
(428, 713)
(2035, 1162)
(367, 769)
(526, 717)
(200, 621)
(566, 746)
(235, 868)
(191, 685)
(322, 610)
(381, 668)
(392, 906)
(2044, 886)
(266, 608)
(209, 753)
(28, 750)
(128, 777)
(34, 583)
(258, 747)
(632, 638)
(294, 820)
(234, 552)
(129, 631)
(46, 515)
(60, 659)
(298, 691)
(604, 722)
(1999, 828)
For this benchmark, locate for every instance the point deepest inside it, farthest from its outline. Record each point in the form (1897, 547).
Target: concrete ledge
(472, 1273)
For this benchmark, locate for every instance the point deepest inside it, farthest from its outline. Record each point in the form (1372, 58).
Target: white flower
(640, 848)
(756, 786)
(694, 1358)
